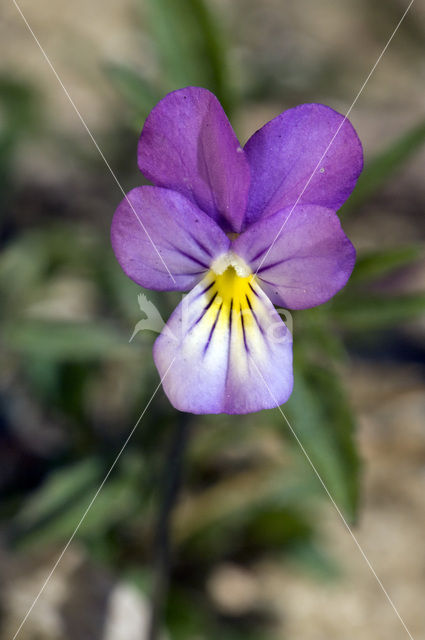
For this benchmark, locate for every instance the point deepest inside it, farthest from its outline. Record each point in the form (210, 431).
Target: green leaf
(186, 614)
(189, 45)
(246, 506)
(322, 419)
(276, 527)
(358, 313)
(24, 262)
(316, 561)
(19, 105)
(189, 617)
(20, 118)
(374, 264)
(54, 510)
(378, 170)
(72, 342)
(140, 95)
(318, 343)
(60, 493)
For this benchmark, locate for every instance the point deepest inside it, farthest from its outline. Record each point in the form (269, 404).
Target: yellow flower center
(232, 287)
(231, 292)
(232, 301)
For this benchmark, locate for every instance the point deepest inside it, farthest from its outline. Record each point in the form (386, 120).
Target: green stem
(162, 551)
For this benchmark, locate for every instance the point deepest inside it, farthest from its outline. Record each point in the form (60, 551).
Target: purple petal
(188, 145)
(286, 154)
(216, 359)
(301, 257)
(163, 241)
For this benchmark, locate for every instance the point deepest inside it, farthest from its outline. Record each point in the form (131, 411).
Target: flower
(241, 229)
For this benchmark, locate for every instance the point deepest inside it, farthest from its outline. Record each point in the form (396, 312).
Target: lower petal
(226, 348)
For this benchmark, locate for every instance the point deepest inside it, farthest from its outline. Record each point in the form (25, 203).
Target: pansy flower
(241, 229)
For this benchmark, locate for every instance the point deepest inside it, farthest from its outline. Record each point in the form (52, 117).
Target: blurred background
(258, 551)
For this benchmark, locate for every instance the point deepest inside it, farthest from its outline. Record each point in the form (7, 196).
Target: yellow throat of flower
(233, 305)
(231, 285)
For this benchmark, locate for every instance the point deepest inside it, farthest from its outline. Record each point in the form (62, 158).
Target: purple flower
(228, 224)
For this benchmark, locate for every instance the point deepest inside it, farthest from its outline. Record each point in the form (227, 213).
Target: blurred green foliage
(249, 492)
(190, 49)
(381, 168)
(20, 117)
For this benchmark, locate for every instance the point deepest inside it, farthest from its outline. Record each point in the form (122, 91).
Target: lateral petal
(300, 256)
(163, 241)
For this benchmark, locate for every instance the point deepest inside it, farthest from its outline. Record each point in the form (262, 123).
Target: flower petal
(301, 257)
(163, 241)
(285, 153)
(221, 360)
(188, 145)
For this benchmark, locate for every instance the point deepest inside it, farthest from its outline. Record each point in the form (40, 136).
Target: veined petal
(284, 156)
(163, 241)
(227, 349)
(300, 256)
(188, 145)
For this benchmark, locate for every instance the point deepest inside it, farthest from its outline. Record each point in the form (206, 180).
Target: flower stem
(162, 553)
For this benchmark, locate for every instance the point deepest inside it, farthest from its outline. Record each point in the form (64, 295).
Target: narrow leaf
(66, 341)
(139, 94)
(190, 45)
(378, 170)
(322, 419)
(374, 264)
(364, 312)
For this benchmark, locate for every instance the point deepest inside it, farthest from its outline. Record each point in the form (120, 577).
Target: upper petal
(219, 356)
(188, 144)
(163, 241)
(285, 160)
(300, 255)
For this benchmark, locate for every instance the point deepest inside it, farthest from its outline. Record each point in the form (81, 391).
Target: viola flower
(228, 225)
